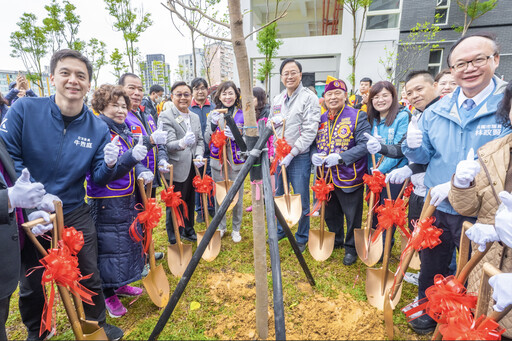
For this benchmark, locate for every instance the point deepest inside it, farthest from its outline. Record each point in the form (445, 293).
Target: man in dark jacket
(150, 102)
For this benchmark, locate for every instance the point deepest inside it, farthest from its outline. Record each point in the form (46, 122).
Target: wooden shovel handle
(404, 186)
(489, 270)
(142, 190)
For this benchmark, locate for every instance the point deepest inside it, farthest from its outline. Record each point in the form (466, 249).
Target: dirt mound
(315, 318)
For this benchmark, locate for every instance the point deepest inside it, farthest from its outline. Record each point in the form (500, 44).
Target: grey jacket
(302, 114)
(176, 129)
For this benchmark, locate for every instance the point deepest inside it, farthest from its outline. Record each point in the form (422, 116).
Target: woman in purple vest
(120, 259)
(341, 148)
(227, 96)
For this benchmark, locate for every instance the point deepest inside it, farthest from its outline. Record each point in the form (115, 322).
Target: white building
(185, 71)
(219, 62)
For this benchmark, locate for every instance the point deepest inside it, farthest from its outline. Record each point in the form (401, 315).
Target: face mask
(158, 99)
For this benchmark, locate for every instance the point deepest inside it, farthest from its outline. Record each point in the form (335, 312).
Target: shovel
(212, 250)
(178, 254)
(155, 282)
(222, 187)
(321, 243)
(484, 295)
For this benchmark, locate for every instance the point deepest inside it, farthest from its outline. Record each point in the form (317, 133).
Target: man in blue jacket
(59, 140)
(444, 135)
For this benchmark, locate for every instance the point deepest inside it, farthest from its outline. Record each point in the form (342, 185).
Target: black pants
(211, 205)
(188, 195)
(4, 313)
(415, 207)
(31, 300)
(340, 205)
(437, 260)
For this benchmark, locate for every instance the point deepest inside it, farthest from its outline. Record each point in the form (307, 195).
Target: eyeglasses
(383, 97)
(184, 95)
(477, 62)
(290, 74)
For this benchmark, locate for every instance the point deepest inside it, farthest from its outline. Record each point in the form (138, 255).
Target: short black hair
(486, 35)
(198, 81)
(503, 112)
(124, 76)
(68, 53)
(155, 88)
(426, 75)
(180, 83)
(289, 60)
(366, 79)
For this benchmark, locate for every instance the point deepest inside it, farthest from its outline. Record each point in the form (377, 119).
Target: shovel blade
(388, 316)
(320, 249)
(157, 286)
(177, 263)
(98, 334)
(212, 250)
(374, 292)
(221, 191)
(293, 212)
(415, 261)
(368, 252)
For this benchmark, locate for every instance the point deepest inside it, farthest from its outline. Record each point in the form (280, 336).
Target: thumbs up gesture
(466, 171)
(140, 151)
(414, 135)
(159, 136)
(373, 145)
(111, 151)
(25, 194)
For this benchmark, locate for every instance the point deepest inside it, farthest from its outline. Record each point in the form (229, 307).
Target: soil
(315, 318)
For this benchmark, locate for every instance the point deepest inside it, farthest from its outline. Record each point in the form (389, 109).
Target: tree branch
(202, 13)
(283, 14)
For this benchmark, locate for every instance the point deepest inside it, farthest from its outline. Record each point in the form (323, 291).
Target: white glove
(482, 234)
(332, 159)
(503, 220)
(159, 136)
(379, 138)
(466, 171)
(163, 166)
(47, 203)
(111, 151)
(439, 193)
(399, 175)
(414, 135)
(147, 176)
(200, 163)
(373, 145)
(317, 159)
(140, 151)
(286, 160)
(215, 117)
(277, 120)
(25, 194)
(228, 133)
(40, 229)
(188, 140)
(502, 291)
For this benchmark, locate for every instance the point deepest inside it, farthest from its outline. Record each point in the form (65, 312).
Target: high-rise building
(156, 71)
(218, 62)
(185, 71)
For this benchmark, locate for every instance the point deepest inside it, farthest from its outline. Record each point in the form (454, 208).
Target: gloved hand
(286, 160)
(188, 140)
(502, 291)
(147, 176)
(163, 166)
(317, 159)
(332, 159)
(399, 175)
(215, 117)
(503, 219)
(40, 229)
(482, 234)
(228, 133)
(414, 135)
(140, 151)
(25, 194)
(379, 138)
(466, 171)
(200, 162)
(111, 151)
(277, 120)
(373, 145)
(159, 136)
(47, 202)
(439, 193)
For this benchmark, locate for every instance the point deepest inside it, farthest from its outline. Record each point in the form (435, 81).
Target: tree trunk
(194, 53)
(354, 51)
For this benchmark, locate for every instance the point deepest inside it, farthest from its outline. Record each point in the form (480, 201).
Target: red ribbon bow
(375, 183)
(282, 149)
(465, 327)
(425, 234)
(204, 185)
(389, 214)
(73, 239)
(218, 140)
(322, 191)
(408, 190)
(149, 218)
(173, 200)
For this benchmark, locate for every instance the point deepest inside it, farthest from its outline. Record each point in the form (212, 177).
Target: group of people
(430, 135)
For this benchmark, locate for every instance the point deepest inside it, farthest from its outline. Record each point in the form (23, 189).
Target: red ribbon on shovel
(149, 219)
(282, 149)
(204, 185)
(322, 193)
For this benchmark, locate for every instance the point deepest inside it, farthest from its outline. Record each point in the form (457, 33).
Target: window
(441, 14)
(383, 14)
(435, 62)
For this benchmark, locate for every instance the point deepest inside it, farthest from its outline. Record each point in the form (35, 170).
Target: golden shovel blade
(221, 191)
(157, 286)
(212, 250)
(388, 315)
(374, 291)
(369, 253)
(291, 212)
(415, 261)
(320, 249)
(177, 263)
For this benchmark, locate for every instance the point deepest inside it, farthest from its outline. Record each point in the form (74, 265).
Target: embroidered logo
(344, 131)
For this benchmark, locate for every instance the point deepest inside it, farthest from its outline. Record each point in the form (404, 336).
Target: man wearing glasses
(444, 135)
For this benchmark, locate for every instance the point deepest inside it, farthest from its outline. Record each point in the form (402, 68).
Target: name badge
(179, 119)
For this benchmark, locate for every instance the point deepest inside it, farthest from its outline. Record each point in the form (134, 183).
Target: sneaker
(412, 278)
(200, 217)
(145, 271)
(235, 235)
(222, 233)
(248, 209)
(159, 255)
(127, 290)
(302, 247)
(113, 333)
(423, 325)
(349, 259)
(316, 214)
(115, 307)
(192, 238)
